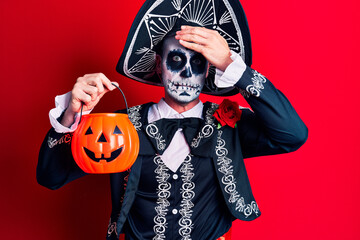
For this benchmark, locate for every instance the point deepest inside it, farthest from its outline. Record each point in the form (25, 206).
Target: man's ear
(207, 70)
(158, 64)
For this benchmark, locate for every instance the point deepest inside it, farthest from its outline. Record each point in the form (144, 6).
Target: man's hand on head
(207, 42)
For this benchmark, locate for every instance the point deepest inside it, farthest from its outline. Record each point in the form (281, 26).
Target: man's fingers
(84, 92)
(96, 83)
(193, 46)
(82, 97)
(92, 91)
(106, 82)
(199, 31)
(99, 78)
(192, 38)
(92, 85)
(116, 83)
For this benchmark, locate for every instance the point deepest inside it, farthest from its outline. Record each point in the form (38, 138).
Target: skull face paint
(183, 71)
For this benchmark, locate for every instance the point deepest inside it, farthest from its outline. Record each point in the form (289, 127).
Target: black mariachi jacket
(272, 127)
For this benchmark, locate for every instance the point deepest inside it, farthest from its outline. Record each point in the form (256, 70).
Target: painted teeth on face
(183, 86)
(183, 71)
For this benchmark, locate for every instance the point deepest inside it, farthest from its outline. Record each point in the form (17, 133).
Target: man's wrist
(226, 63)
(67, 119)
(232, 73)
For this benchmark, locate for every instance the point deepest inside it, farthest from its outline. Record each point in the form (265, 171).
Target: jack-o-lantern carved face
(99, 146)
(105, 143)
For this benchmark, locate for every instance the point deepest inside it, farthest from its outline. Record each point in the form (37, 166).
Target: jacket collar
(163, 110)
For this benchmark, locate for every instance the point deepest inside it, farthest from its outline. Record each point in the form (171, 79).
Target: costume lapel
(203, 144)
(138, 116)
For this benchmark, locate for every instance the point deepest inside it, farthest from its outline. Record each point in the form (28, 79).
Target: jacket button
(174, 211)
(175, 176)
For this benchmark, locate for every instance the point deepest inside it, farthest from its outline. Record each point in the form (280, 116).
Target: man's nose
(186, 73)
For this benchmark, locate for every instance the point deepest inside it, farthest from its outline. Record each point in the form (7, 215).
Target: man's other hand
(207, 42)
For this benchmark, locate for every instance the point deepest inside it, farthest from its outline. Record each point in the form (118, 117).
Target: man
(189, 180)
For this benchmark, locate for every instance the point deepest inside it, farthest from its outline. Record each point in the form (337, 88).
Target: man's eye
(176, 58)
(196, 61)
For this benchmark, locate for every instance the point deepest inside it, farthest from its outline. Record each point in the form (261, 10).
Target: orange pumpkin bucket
(105, 142)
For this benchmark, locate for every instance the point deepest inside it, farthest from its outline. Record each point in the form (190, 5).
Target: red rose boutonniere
(228, 113)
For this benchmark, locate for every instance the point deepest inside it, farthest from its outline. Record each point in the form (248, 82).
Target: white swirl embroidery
(134, 116)
(205, 132)
(153, 131)
(163, 192)
(258, 81)
(209, 118)
(208, 129)
(64, 139)
(112, 228)
(187, 194)
(229, 180)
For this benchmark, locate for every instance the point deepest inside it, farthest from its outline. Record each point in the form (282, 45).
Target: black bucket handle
(127, 109)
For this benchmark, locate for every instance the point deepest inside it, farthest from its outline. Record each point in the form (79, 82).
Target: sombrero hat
(158, 18)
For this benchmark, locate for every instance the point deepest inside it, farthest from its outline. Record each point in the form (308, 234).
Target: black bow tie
(168, 127)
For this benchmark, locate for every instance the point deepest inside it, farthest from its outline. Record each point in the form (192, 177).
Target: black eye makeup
(176, 60)
(198, 64)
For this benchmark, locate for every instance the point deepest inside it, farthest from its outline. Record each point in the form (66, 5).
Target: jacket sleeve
(56, 166)
(273, 126)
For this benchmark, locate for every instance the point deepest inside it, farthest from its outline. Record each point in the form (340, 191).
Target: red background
(308, 49)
